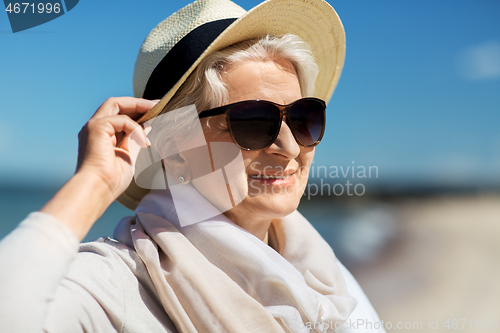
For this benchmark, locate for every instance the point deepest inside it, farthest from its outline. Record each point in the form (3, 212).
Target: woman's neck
(257, 227)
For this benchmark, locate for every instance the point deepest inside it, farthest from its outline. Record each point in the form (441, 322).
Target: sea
(356, 232)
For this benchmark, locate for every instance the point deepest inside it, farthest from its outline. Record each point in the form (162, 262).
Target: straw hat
(174, 48)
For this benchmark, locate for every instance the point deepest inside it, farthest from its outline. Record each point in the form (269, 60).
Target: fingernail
(147, 130)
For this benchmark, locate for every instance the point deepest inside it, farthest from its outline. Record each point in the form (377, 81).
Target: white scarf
(213, 276)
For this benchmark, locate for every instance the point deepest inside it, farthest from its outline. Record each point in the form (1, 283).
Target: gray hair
(205, 89)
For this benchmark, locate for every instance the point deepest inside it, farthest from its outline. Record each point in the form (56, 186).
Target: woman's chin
(273, 205)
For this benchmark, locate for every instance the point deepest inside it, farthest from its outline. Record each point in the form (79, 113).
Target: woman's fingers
(97, 139)
(111, 126)
(130, 106)
(122, 123)
(133, 143)
(135, 137)
(111, 140)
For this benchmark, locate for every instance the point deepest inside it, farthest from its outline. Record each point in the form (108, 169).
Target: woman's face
(285, 158)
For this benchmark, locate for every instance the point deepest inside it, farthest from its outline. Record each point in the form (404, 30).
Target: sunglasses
(256, 124)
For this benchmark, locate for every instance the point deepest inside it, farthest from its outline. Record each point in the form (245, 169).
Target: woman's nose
(285, 143)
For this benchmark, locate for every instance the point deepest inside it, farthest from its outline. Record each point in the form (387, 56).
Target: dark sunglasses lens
(254, 125)
(307, 119)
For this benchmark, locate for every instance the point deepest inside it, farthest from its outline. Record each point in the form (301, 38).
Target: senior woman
(216, 243)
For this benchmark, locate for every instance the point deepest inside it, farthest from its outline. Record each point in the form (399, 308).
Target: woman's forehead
(269, 80)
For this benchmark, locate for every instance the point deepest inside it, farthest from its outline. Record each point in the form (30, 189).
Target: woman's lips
(274, 180)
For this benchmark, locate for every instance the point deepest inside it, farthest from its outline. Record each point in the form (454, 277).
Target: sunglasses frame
(284, 113)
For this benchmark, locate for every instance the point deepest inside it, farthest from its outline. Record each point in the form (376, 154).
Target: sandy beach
(443, 265)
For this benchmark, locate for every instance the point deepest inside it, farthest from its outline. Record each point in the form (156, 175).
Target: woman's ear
(178, 168)
(189, 164)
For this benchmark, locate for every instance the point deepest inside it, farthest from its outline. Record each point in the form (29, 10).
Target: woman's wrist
(80, 202)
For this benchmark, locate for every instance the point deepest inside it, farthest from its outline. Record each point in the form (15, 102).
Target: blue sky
(419, 96)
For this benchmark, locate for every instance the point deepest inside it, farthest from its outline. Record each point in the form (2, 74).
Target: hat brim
(314, 21)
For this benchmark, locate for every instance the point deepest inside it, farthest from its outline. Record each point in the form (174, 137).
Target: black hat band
(182, 56)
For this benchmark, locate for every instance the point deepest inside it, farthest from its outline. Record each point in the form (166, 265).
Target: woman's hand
(103, 170)
(111, 124)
